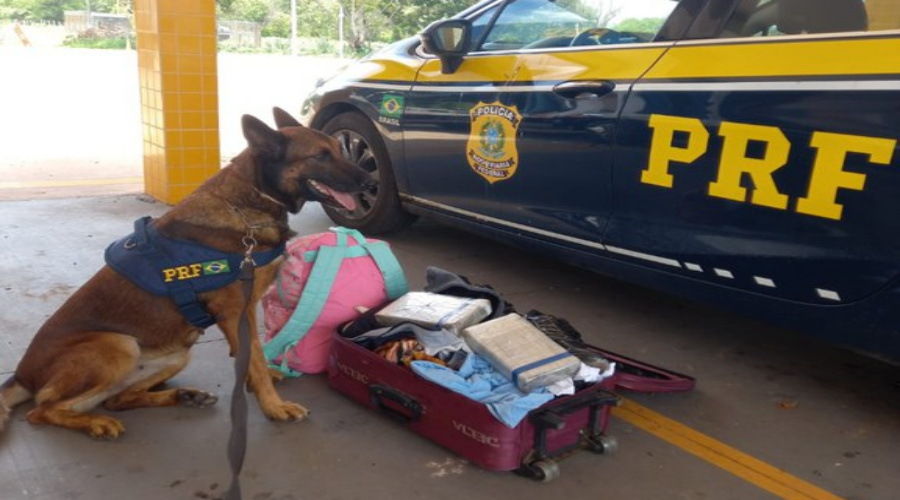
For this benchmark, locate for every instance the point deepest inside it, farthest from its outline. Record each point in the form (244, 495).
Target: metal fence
(107, 25)
(240, 33)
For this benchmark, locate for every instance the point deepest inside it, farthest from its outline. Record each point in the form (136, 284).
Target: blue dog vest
(178, 268)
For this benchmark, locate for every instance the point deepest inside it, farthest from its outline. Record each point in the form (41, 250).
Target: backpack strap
(309, 307)
(394, 280)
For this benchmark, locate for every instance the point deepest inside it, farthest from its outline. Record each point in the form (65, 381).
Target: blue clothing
(479, 381)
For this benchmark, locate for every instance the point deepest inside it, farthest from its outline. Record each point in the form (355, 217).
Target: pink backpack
(324, 278)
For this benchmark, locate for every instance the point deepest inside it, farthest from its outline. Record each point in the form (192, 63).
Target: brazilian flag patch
(392, 105)
(215, 267)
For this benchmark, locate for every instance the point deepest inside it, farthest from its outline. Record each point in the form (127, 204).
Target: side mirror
(449, 40)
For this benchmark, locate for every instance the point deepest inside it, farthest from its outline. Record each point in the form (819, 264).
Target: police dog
(112, 342)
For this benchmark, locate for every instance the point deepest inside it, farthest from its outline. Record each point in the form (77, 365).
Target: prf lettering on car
(828, 174)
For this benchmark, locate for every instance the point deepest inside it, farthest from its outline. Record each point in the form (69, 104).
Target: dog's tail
(11, 394)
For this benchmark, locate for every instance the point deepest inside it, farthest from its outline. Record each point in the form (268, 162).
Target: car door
(762, 155)
(520, 135)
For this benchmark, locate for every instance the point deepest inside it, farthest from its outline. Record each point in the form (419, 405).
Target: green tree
(278, 25)
(364, 21)
(40, 10)
(318, 18)
(224, 6)
(257, 11)
(111, 6)
(389, 20)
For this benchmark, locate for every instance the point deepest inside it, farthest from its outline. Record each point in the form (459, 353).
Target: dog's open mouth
(332, 196)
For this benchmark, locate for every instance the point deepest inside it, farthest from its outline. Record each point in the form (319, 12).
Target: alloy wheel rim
(356, 149)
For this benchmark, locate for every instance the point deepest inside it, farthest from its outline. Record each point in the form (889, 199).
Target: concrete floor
(820, 415)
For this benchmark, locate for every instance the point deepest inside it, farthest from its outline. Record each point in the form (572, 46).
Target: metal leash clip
(250, 243)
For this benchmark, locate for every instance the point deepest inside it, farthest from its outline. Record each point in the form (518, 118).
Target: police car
(738, 152)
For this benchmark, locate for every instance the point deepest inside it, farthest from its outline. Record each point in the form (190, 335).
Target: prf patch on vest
(491, 148)
(197, 270)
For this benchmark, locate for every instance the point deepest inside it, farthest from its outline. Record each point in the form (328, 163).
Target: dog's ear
(284, 119)
(262, 139)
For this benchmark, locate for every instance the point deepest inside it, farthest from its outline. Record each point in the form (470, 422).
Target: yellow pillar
(883, 14)
(176, 42)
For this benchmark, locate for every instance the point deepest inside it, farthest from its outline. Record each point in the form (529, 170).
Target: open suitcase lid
(637, 376)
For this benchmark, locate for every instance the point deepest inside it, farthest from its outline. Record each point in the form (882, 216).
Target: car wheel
(378, 209)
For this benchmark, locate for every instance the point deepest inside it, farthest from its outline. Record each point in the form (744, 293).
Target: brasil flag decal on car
(491, 149)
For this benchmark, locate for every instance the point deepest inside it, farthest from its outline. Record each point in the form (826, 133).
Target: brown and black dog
(112, 342)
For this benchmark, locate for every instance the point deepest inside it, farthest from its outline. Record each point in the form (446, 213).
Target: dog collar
(178, 268)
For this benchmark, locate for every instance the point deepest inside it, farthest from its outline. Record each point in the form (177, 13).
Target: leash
(237, 442)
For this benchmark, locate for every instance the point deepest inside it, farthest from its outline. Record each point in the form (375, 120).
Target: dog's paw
(286, 411)
(103, 427)
(196, 398)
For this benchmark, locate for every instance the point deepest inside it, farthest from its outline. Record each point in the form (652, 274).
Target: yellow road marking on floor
(70, 183)
(740, 464)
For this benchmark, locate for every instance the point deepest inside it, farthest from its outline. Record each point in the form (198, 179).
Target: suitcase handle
(382, 393)
(553, 416)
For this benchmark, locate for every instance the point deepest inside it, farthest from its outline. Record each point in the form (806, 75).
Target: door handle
(581, 89)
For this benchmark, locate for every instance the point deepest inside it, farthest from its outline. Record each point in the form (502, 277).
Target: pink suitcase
(467, 428)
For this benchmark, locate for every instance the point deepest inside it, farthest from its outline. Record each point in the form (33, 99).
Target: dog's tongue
(347, 201)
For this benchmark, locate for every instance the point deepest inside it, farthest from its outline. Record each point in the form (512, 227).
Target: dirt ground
(71, 125)
(36, 35)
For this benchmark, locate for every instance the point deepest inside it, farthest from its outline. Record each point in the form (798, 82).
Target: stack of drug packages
(511, 344)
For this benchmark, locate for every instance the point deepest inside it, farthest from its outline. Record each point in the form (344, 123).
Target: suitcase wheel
(540, 470)
(603, 444)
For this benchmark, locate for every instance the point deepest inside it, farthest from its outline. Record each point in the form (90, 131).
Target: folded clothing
(405, 351)
(439, 345)
(441, 281)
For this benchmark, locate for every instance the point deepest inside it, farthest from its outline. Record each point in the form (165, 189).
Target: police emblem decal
(491, 148)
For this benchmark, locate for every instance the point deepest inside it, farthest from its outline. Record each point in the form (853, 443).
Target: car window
(536, 24)
(754, 18)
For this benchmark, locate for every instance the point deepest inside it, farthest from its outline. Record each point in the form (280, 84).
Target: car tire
(379, 210)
